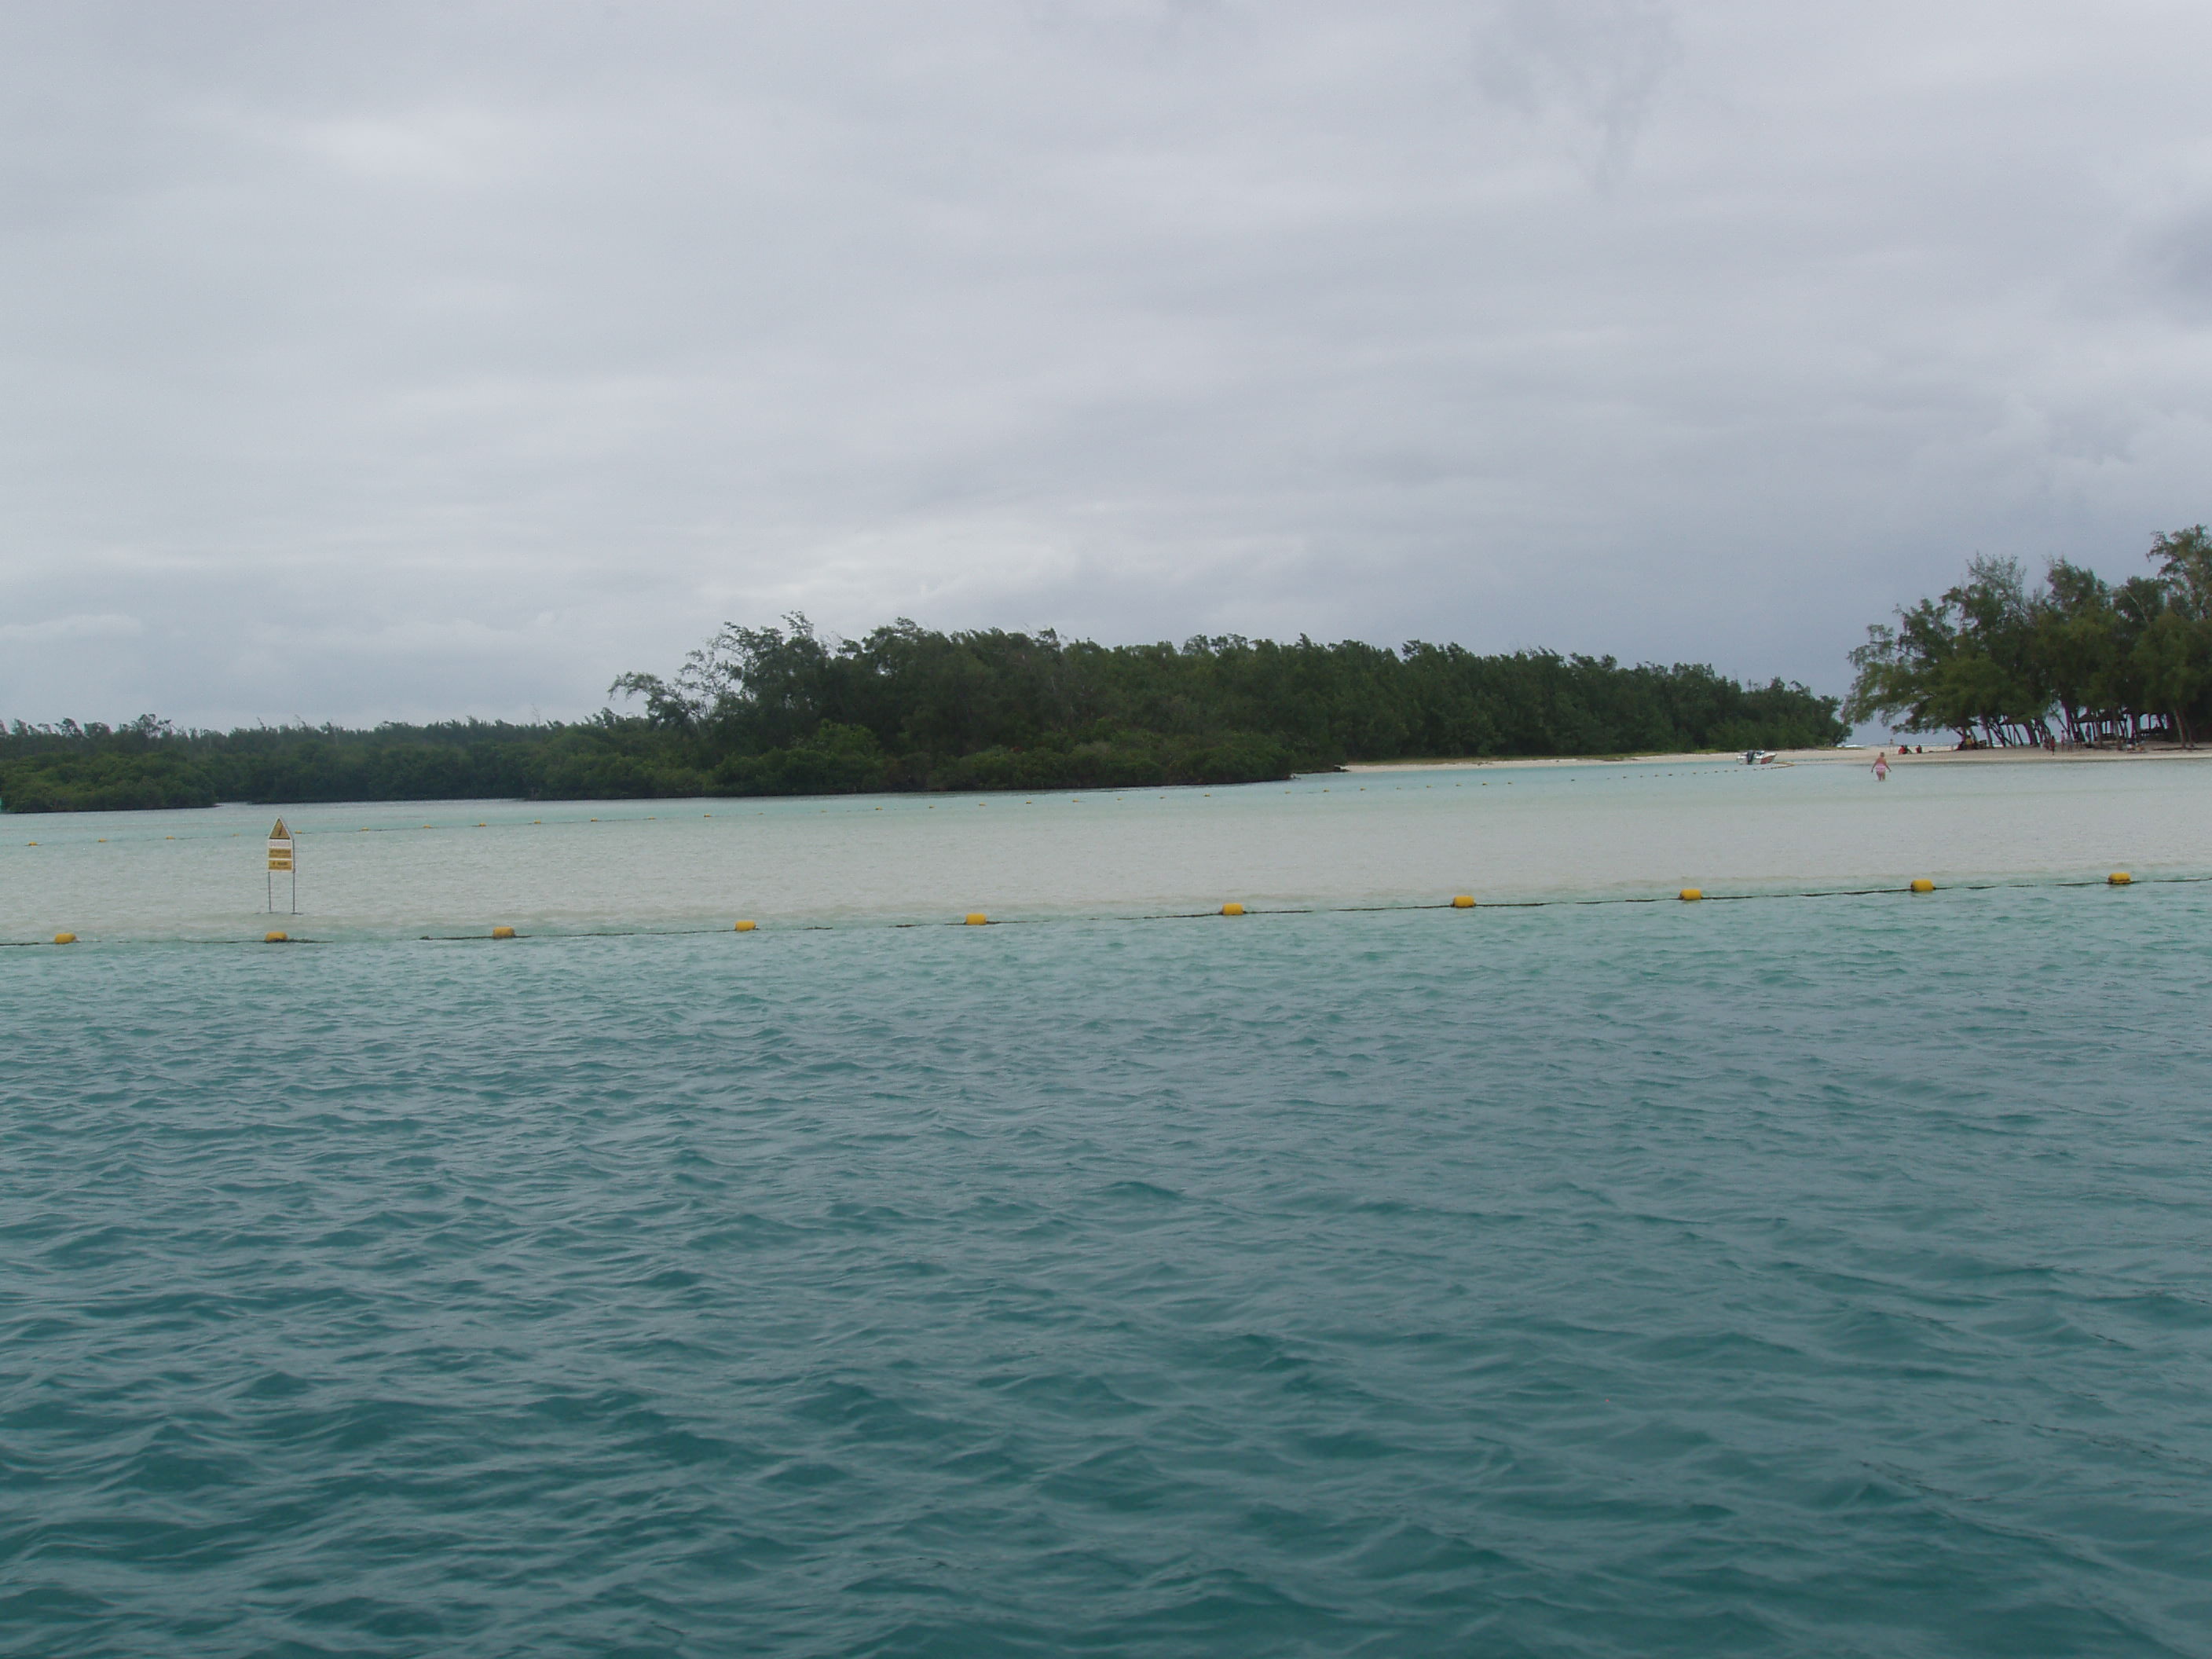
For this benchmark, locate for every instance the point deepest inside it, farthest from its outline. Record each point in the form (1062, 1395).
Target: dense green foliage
(1997, 661)
(783, 711)
(151, 764)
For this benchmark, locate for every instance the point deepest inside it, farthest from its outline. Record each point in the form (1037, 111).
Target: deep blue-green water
(1787, 1276)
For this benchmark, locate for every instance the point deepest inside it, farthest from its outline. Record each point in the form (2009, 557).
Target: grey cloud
(417, 358)
(108, 625)
(1601, 62)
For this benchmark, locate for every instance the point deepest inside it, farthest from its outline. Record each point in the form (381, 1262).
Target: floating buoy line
(1919, 885)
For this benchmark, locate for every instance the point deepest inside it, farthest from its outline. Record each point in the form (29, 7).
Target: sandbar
(1859, 755)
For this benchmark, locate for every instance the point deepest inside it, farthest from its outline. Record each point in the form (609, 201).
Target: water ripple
(1650, 1280)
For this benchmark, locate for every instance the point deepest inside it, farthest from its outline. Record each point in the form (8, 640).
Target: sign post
(281, 858)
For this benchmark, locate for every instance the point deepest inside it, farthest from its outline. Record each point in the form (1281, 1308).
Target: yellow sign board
(281, 863)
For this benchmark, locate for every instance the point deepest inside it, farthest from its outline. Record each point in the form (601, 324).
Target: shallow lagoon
(1377, 838)
(1823, 1276)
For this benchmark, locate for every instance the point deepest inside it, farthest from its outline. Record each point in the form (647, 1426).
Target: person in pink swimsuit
(1882, 767)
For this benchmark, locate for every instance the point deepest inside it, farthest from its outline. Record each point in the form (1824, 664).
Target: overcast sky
(402, 360)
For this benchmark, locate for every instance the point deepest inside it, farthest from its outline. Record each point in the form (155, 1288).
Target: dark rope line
(1211, 915)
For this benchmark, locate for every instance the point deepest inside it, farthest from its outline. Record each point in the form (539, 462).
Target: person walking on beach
(1882, 767)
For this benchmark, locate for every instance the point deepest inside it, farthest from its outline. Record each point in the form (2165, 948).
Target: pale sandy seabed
(1505, 832)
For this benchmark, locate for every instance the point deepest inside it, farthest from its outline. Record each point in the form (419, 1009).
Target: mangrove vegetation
(788, 710)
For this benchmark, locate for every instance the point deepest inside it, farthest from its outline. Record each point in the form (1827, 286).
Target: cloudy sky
(410, 360)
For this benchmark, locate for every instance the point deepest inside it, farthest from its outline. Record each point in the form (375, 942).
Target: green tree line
(1998, 660)
(785, 710)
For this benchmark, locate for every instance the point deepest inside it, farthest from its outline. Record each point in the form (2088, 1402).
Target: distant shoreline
(1861, 756)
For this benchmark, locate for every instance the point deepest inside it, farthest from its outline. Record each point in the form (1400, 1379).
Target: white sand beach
(1861, 755)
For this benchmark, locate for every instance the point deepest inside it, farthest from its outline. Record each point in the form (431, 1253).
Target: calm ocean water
(1801, 1276)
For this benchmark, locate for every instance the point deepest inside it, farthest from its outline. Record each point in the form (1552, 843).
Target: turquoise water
(1789, 1276)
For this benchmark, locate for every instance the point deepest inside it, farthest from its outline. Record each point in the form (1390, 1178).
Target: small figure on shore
(1882, 767)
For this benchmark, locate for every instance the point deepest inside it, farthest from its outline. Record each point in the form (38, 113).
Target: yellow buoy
(502, 932)
(276, 939)
(742, 927)
(1693, 893)
(1232, 909)
(65, 939)
(1462, 901)
(1921, 884)
(2120, 878)
(977, 919)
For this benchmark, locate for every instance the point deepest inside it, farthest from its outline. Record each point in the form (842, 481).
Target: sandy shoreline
(1852, 757)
